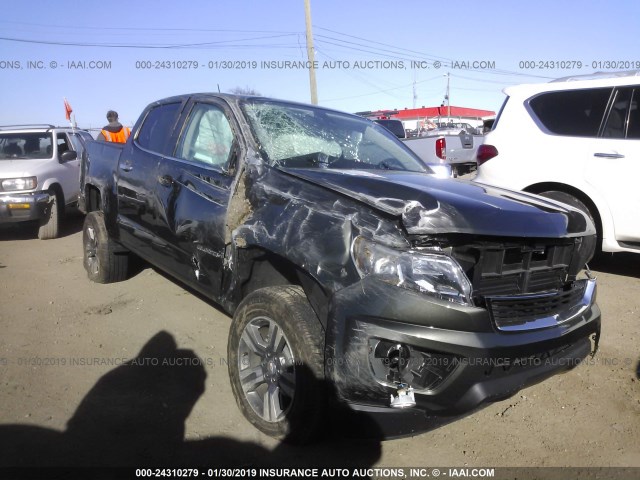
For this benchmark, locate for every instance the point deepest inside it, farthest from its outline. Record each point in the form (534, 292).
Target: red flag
(67, 109)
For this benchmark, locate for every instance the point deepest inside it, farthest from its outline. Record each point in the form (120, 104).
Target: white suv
(40, 174)
(575, 140)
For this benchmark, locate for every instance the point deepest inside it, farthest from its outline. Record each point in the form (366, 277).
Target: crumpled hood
(430, 205)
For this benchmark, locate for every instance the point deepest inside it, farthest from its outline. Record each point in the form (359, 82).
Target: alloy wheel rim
(91, 248)
(267, 369)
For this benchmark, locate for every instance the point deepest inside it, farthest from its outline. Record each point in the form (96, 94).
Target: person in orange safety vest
(114, 132)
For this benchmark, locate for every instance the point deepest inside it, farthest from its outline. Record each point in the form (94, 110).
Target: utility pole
(415, 93)
(310, 54)
(448, 100)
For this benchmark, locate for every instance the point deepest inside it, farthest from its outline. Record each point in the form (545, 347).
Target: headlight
(433, 274)
(25, 183)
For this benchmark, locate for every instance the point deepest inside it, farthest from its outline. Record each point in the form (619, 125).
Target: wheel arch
(93, 198)
(258, 268)
(579, 194)
(55, 187)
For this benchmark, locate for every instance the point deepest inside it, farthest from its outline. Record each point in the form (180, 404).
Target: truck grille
(514, 313)
(515, 269)
(524, 284)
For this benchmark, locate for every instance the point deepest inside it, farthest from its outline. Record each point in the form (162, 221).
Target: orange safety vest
(119, 137)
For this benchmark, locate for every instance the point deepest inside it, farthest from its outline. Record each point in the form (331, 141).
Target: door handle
(165, 180)
(126, 166)
(608, 155)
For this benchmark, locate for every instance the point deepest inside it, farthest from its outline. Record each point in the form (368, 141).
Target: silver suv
(39, 174)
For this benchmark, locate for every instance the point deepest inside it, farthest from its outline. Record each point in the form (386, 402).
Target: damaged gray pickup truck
(351, 272)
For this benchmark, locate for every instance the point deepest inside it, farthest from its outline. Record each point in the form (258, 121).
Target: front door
(193, 192)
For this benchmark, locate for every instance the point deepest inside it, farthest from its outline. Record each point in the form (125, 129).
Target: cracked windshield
(296, 136)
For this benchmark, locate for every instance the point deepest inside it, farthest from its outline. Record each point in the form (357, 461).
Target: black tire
(104, 260)
(50, 223)
(577, 203)
(276, 347)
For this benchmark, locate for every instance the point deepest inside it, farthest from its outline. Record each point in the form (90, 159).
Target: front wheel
(50, 224)
(276, 366)
(103, 259)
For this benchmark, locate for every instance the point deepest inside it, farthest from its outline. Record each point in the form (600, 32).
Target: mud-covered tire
(50, 223)
(276, 367)
(104, 260)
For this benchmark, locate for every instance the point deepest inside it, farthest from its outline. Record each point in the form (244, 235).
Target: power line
(421, 54)
(223, 43)
(146, 29)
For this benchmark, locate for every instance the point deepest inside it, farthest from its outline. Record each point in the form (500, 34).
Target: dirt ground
(63, 341)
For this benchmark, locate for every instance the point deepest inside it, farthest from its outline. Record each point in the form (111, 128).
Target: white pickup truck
(454, 151)
(458, 152)
(39, 174)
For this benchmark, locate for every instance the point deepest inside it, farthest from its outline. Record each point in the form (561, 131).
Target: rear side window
(576, 113)
(157, 127)
(633, 130)
(623, 120)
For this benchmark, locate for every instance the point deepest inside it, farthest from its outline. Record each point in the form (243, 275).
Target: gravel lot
(66, 399)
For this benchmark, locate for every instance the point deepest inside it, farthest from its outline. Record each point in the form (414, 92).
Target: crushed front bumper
(23, 206)
(456, 356)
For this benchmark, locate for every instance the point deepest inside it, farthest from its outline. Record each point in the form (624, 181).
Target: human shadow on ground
(134, 416)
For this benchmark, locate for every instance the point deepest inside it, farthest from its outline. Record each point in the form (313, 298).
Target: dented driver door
(193, 189)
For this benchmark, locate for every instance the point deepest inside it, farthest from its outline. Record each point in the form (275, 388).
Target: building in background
(428, 118)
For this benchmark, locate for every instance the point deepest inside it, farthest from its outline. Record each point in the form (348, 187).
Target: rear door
(137, 180)
(193, 192)
(615, 160)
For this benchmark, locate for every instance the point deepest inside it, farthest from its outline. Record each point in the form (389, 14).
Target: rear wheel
(103, 259)
(276, 366)
(50, 224)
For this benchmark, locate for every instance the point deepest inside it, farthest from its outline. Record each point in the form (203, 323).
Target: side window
(63, 143)
(86, 136)
(207, 138)
(633, 130)
(157, 126)
(617, 119)
(575, 113)
(76, 143)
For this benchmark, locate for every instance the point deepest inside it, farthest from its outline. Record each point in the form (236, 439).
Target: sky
(370, 54)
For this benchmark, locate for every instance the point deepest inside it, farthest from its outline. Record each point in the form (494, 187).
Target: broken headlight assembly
(432, 273)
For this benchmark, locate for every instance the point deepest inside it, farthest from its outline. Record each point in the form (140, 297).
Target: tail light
(441, 148)
(485, 153)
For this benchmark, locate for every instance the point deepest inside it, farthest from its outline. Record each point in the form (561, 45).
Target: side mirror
(68, 156)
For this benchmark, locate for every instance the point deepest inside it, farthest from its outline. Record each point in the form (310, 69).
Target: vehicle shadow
(135, 416)
(623, 263)
(69, 225)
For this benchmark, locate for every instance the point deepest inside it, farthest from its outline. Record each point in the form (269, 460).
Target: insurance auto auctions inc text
(380, 472)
